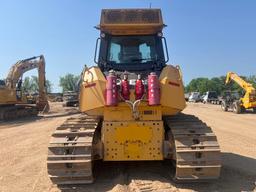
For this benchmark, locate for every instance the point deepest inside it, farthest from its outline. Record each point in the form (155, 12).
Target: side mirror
(96, 51)
(166, 55)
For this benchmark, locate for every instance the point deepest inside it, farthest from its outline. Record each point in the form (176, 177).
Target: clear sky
(206, 38)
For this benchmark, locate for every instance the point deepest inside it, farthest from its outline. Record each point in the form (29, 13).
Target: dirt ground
(24, 150)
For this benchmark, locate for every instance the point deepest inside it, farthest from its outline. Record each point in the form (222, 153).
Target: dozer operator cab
(132, 47)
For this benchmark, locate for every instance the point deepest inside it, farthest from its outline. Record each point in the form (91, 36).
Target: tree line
(30, 84)
(68, 82)
(217, 84)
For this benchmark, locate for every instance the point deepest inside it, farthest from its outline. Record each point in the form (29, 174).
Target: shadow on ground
(19, 122)
(25, 120)
(111, 174)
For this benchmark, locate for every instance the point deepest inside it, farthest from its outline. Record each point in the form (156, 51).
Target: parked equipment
(211, 97)
(194, 97)
(55, 97)
(133, 100)
(13, 101)
(186, 96)
(229, 100)
(70, 99)
(31, 98)
(239, 105)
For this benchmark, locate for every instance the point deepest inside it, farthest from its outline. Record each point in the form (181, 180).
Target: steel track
(196, 149)
(70, 151)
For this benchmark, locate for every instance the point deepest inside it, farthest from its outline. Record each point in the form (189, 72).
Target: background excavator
(132, 103)
(236, 104)
(13, 102)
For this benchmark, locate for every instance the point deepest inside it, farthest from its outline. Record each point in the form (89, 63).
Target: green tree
(199, 84)
(68, 82)
(30, 84)
(252, 80)
(217, 84)
(26, 84)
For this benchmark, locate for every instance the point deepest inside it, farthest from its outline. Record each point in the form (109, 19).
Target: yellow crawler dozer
(131, 105)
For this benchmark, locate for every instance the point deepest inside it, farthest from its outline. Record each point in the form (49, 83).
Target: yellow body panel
(133, 140)
(8, 96)
(123, 136)
(92, 92)
(123, 112)
(172, 90)
(247, 104)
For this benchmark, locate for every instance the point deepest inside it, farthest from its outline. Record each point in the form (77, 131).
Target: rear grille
(146, 16)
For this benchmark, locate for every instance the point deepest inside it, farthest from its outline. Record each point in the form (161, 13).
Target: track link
(197, 152)
(70, 151)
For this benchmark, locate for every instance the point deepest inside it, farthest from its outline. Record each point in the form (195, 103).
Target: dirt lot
(24, 150)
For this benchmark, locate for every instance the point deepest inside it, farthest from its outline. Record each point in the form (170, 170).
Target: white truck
(211, 97)
(194, 97)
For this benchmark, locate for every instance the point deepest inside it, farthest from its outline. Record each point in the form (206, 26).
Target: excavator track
(17, 111)
(197, 152)
(70, 151)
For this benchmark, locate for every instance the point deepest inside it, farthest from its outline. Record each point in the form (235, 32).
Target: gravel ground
(24, 150)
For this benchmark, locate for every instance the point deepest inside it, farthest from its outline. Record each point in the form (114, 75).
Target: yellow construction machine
(239, 105)
(131, 105)
(13, 102)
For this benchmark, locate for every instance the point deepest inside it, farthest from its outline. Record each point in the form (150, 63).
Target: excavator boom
(11, 93)
(248, 101)
(242, 83)
(19, 68)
